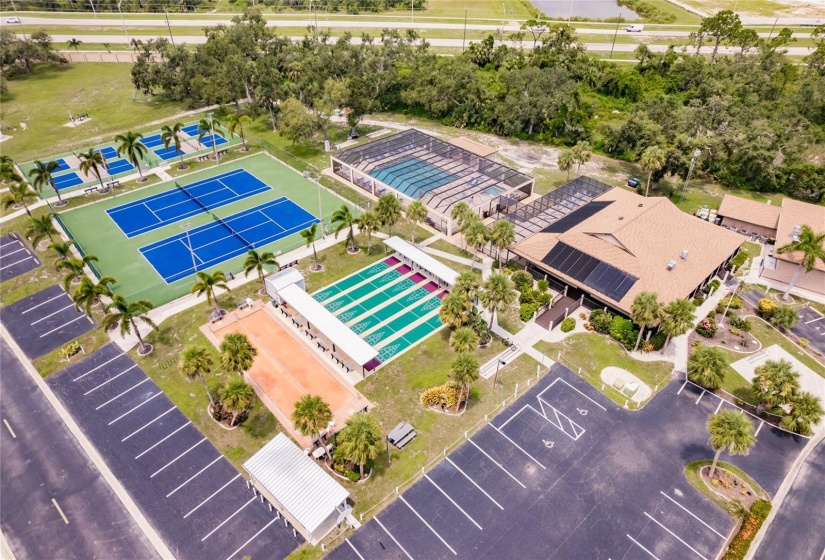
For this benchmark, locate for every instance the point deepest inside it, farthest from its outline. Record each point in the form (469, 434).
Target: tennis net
(187, 193)
(232, 231)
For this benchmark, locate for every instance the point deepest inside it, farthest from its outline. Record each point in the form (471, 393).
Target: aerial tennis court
(189, 199)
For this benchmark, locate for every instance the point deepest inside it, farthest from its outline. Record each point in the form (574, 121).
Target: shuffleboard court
(173, 205)
(214, 243)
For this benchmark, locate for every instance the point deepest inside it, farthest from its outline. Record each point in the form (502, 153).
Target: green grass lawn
(447, 247)
(509, 319)
(692, 476)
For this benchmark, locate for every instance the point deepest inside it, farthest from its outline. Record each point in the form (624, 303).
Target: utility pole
(19, 21)
(169, 26)
(212, 131)
(93, 8)
(696, 154)
(613, 46)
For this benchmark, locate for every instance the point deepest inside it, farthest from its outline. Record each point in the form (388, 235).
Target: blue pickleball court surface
(192, 129)
(152, 141)
(67, 180)
(61, 164)
(214, 243)
(168, 153)
(108, 152)
(152, 212)
(119, 166)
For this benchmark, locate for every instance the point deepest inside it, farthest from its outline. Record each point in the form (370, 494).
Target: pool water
(412, 177)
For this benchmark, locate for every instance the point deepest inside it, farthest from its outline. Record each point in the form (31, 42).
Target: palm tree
(126, 314)
(730, 431)
(581, 153)
(706, 367)
(805, 412)
(91, 162)
(462, 214)
(130, 144)
(74, 268)
(40, 227)
(812, 247)
(136, 44)
(652, 160)
(388, 211)
(645, 311)
(237, 353)
(256, 262)
(196, 363)
(207, 283)
(237, 397)
(89, 292)
(361, 440)
(502, 235)
(476, 235)
(41, 175)
(455, 308)
(63, 250)
(466, 284)
(171, 135)
(7, 171)
(464, 340)
(311, 416)
(205, 128)
(368, 223)
(497, 294)
(74, 43)
(309, 235)
(565, 161)
(784, 317)
(775, 382)
(235, 123)
(19, 194)
(463, 371)
(678, 319)
(416, 212)
(345, 220)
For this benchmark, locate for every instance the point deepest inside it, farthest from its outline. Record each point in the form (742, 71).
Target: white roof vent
(769, 202)
(685, 254)
(671, 264)
(797, 230)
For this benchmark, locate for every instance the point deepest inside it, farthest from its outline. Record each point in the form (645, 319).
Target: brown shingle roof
(795, 213)
(757, 213)
(639, 236)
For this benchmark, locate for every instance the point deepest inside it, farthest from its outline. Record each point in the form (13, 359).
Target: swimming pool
(412, 177)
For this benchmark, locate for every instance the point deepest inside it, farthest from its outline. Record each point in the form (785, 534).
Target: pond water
(595, 9)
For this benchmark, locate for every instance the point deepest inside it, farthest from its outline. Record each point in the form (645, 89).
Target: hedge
(568, 324)
(751, 523)
(600, 320)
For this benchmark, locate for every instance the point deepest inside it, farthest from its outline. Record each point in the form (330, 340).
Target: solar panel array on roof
(577, 216)
(590, 271)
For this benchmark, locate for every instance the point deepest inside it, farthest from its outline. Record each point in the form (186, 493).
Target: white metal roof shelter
(337, 332)
(309, 498)
(423, 260)
(279, 280)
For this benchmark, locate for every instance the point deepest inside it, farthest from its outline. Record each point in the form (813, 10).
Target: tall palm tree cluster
(477, 235)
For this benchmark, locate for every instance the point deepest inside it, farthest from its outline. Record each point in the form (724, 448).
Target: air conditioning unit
(671, 264)
(685, 254)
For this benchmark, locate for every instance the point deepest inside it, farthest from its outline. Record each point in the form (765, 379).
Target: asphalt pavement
(53, 501)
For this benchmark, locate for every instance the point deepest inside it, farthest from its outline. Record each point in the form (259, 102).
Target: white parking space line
(63, 325)
(176, 458)
(467, 515)
(16, 262)
(123, 393)
(762, 423)
(393, 538)
(679, 392)
(579, 392)
(519, 411)
(13, 252)
(814, 320)
(131, 410)
(215, 493)
(473, 482)
(60, 511)
(519, 447)
(109, 380)
(60, 295)
(355, 550)
(692, 514)
(255, 536)
(194, 476)
(98, 367)
(719, 406)
(52, 314)
(8, 427)
(496, 463)
(222, 523)
(675, 536)
(412, 509)
(643, 548)
(164, 439)
(700, 397)
(148, 424)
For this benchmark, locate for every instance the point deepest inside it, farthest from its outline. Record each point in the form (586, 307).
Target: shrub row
(620, 329)
(751, 523)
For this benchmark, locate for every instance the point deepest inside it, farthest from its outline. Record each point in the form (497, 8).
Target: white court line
(679, 392)
(17, 262)
(110, 380)
(135, 408)
(675, 536)
(148, 424)
(355, 550)
(215, 493)
(467, 515)
(643, 548)
(209, 534)
(71, 304)
(227, 187)
(194, 476)
(700, 397)
(176, 458)
(473, 482)
(63, 325)
(255, 536)
(164, 439)
(98, 367)
(579, 392)
(691, 514)
(719, 406)
(519, 447)
(123, 393)
(412, 509)
(759, 428)
(62, 293)
(393, 538)
(499, 465)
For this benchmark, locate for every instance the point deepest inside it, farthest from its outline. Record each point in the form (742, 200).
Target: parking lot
(565, 473)
(811, 325)
(44, 321)
(193, 496)
(15, 257)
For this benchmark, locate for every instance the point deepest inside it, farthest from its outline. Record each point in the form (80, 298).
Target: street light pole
(185, 228)
(123, 21)
(169, 26)
(212, 130)
(498, 365)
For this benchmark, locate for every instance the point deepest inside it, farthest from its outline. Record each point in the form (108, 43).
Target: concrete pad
(622, 379)
(808, 379)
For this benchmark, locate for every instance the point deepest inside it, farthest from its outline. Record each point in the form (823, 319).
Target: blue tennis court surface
(207, 140)
(412, 176)
(152, 212)
(214, 243)
(119, 166)
(67, 180)
(168, 153)
(108, 152)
